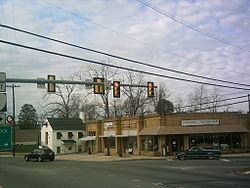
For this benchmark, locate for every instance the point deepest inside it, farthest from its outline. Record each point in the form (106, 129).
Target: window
(58, 150)
(59, 135)
(70, 148)
(70, 135)
(80, 135)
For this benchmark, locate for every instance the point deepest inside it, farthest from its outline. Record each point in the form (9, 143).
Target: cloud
(129, 29)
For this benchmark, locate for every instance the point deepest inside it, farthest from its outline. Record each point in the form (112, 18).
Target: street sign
(41, 85)
(6, 138)
(2, 118)
(2, 82)
(3, 102)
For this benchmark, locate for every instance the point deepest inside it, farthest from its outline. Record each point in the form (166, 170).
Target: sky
(128, 28)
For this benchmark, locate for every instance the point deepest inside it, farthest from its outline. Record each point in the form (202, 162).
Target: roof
(167, 130)
(26, 135)
(69, 141)
(66, 123)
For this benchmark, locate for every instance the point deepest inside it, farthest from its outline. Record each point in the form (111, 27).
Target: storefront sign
(200, 122)
(108, 126)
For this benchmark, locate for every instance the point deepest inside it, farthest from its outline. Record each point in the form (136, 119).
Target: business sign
(200, 122)
(3, 102)
(6, 138)
(2, 82)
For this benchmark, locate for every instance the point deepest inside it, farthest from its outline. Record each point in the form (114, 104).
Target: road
(16, 173)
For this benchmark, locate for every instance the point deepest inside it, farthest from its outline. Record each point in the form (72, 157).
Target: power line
(122, 58)
(229, 13)
(118, 67)
(212, 102)
(219, 106)
(190, 26)
(119, 33)
(212, 13)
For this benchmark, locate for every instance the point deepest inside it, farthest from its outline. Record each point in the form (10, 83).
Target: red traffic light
(116, 89)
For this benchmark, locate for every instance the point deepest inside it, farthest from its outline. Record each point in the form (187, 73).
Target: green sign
(5, 138)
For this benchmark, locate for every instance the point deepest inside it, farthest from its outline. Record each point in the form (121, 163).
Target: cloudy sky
(165, 36)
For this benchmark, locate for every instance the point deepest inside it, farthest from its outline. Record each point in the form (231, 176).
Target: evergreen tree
(27, 118)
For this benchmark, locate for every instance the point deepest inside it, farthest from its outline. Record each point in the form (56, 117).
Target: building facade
(162, 135)
(63, 135)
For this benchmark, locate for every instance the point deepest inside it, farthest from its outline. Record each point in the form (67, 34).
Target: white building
(63, 135)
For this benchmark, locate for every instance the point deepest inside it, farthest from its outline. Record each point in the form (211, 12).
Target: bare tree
(105, 72)
(161, 92)
(179, 104)
(215, 98)
(59, 104)
(199, 98)
(136, 96)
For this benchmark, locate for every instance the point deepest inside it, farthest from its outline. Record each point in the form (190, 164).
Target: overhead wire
(118, 67)
(122, 58)
(212, 102)
(192, 27)
(217, 17)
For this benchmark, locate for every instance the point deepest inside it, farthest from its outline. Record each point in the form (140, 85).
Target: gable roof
(66, 123)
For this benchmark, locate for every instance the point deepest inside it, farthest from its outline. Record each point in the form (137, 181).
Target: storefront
(156, 135)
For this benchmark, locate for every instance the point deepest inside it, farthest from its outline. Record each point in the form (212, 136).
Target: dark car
(40, 155)
(198, 153)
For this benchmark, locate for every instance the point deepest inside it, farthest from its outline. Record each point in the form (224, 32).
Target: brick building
(163, 135)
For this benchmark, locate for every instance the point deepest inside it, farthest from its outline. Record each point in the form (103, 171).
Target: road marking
(158, 184)
(225, 160)
(135, 180)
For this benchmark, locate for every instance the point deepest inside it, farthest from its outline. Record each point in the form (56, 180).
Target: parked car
(198, 153)
(40, 155)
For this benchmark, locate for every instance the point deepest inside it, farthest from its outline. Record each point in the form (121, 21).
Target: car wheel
(27, 158)
(182, 157)
(210, 156)
(39, 159)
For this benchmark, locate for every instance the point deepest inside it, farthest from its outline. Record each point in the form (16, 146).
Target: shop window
(109, 142)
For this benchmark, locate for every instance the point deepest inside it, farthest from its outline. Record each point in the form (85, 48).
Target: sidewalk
(103, 157)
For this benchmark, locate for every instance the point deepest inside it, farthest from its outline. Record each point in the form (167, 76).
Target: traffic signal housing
(150, 87)
(99, 89)
(116, 89)
(51, 86)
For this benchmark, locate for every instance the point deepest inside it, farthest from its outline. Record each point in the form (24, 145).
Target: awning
(68, 141)
(107, 136)
(88, 138)
(168, 130)
(121, 135)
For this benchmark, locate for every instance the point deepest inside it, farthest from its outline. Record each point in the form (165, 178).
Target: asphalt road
(16, 173)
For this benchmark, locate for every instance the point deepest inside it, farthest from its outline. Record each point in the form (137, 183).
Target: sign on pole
(2, 118)
(3, 102)
(2, 82)
(6, 138)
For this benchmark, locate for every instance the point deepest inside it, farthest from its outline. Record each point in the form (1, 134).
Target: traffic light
(51, 86)
(116, 89)
(99, 89)
(150, 87)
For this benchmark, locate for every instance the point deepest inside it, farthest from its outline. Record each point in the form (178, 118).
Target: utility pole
(14, 118)
(248, 103)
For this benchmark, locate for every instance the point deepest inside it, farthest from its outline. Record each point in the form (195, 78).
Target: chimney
(82, 116)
